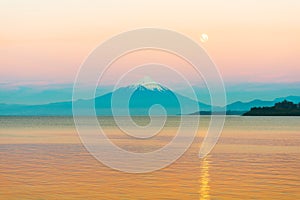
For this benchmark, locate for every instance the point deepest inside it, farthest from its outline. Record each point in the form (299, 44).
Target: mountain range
(245, 106)
(135, 99)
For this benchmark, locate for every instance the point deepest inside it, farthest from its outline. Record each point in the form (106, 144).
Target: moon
(204, 37)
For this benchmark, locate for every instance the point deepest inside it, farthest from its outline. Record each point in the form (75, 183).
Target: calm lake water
(255, 158)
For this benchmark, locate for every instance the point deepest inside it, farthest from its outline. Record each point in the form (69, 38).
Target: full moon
(204, 37)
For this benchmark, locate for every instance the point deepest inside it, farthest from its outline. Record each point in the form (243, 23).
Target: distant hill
(246, 106)
(228, 112)
(239, 108)
(284, 108)
(293, 99)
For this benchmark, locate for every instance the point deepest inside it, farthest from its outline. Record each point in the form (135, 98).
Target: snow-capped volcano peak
(148, 84)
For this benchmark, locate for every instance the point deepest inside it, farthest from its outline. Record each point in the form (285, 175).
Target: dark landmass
(284, 108)
(228, 112)
(239, 108)
(246, 106)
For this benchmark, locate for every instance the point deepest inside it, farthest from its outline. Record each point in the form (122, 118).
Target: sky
(250, 41)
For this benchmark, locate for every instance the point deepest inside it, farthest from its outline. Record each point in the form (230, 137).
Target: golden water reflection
(255, 158)
(204, 180)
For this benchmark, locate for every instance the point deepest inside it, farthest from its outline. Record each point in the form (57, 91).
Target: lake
(255, 158)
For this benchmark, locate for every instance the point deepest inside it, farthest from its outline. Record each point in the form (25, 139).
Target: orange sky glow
(250, 41)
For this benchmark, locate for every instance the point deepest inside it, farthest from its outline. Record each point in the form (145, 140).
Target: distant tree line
(284, 108)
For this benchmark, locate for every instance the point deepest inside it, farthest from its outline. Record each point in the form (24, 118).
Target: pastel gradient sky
(45, 42)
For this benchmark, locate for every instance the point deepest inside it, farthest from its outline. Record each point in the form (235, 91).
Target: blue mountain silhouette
(138, 99)
(141, 98)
